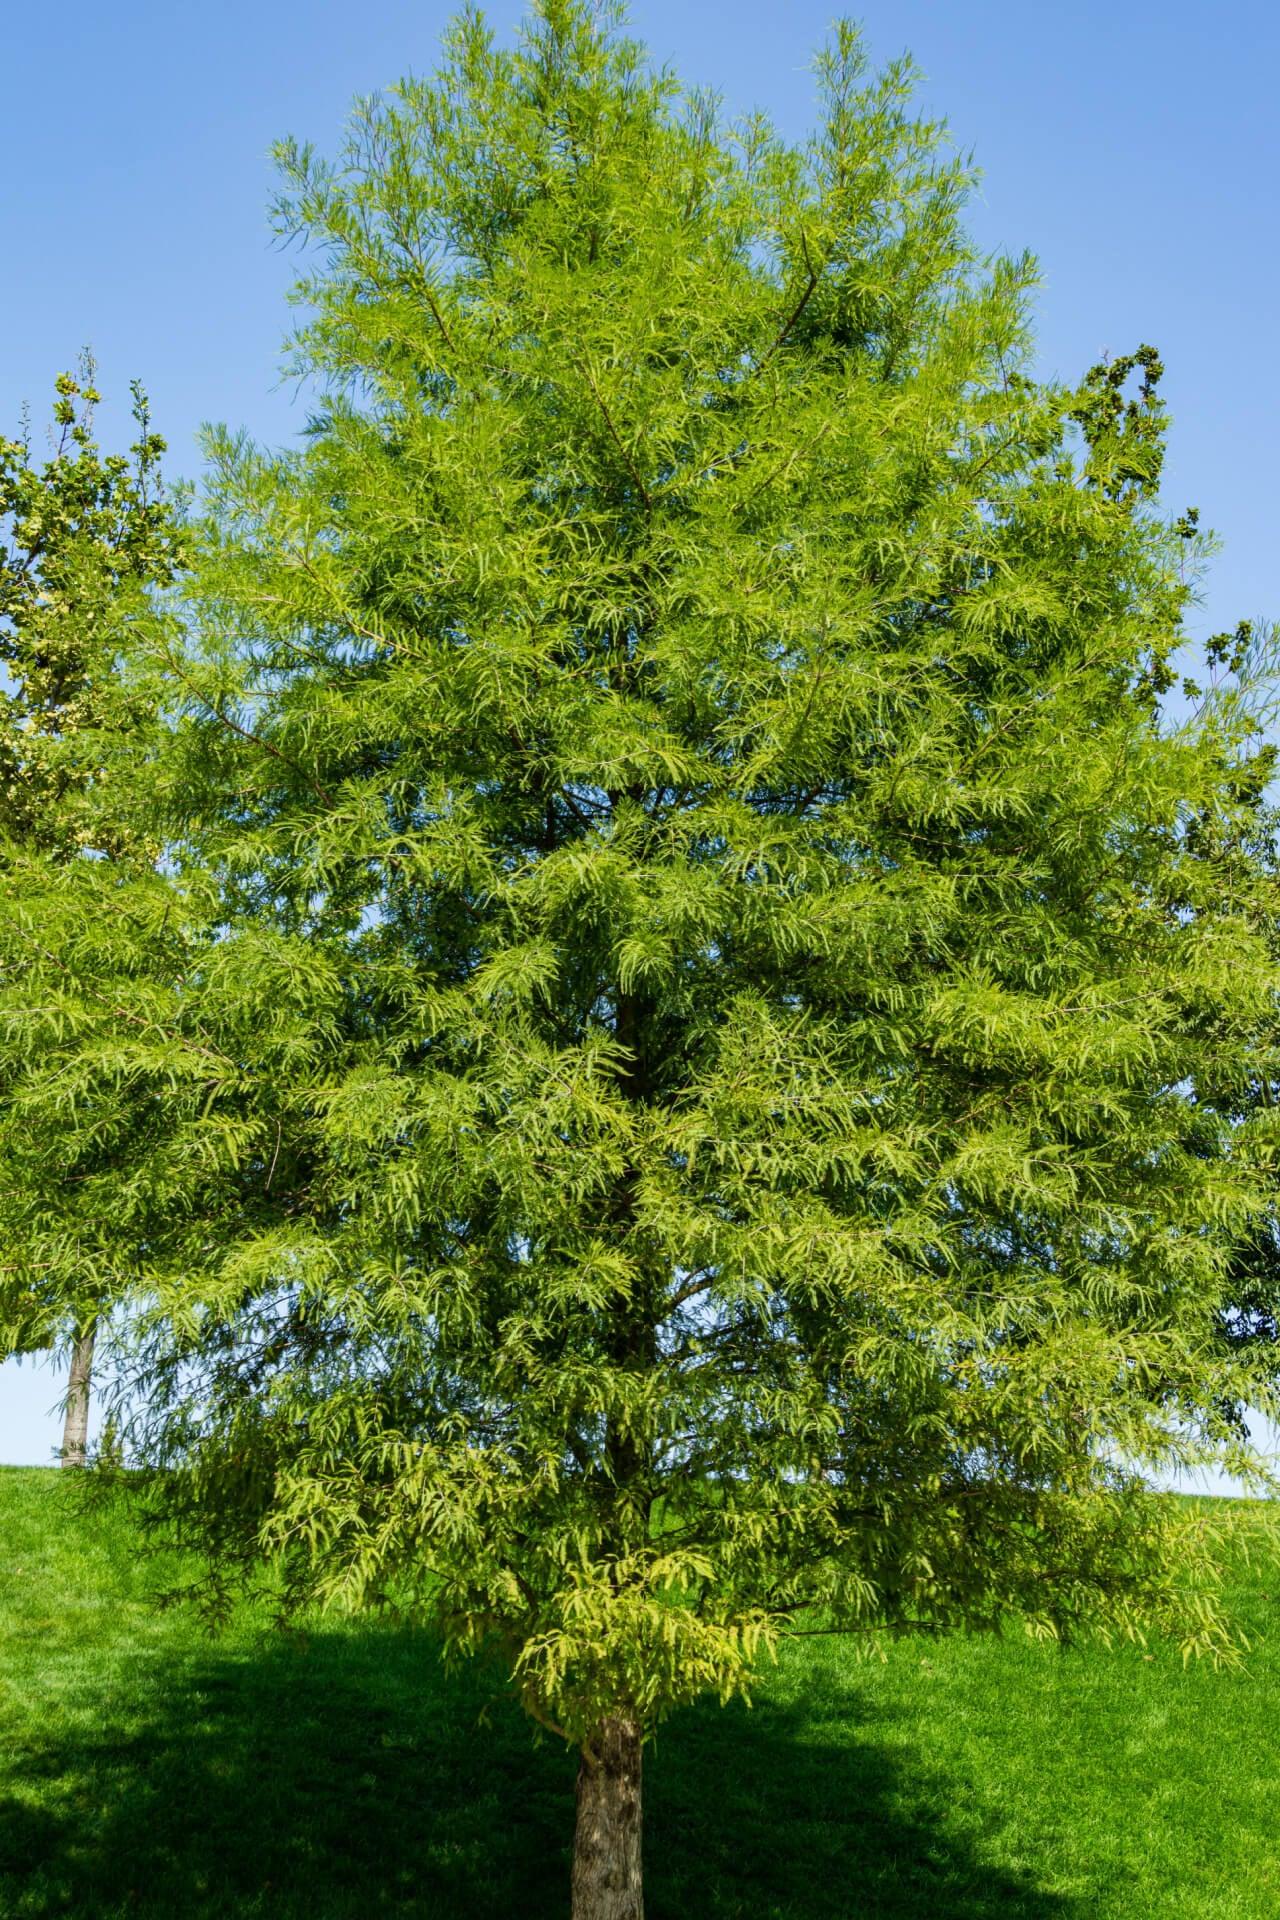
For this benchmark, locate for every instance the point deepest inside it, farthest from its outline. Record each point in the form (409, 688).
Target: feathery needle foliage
(707, 1086)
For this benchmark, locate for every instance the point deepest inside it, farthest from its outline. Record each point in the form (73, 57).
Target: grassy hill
(146, 1771)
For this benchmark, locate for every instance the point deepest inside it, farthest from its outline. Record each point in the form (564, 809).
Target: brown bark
(75, 1430)
(607, 1881)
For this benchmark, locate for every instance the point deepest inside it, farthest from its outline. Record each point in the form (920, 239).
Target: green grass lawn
(145, 1770)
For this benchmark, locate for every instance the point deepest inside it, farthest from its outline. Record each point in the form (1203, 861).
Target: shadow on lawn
(797, 1813)
(349, 1778)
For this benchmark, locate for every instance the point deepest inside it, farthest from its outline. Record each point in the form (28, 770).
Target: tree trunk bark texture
(75, 1431)
(607, 1883)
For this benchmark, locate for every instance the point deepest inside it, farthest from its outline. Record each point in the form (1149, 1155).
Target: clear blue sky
(1133, 147)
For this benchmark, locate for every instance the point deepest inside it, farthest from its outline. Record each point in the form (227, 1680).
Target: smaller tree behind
(83, 536)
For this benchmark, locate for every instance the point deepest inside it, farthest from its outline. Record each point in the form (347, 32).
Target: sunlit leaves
(705, 1084)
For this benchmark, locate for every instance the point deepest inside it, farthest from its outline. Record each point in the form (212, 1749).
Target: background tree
(83, 536)
(713, 1100)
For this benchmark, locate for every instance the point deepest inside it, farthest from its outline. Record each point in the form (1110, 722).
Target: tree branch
(246, 733)
(793, 318)
(629, 462)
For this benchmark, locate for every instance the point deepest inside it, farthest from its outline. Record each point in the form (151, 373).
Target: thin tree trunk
(607, 1883)
(75, 1431)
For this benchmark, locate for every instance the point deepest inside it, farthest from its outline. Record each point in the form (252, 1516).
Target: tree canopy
(85, 537)
(701, 1060)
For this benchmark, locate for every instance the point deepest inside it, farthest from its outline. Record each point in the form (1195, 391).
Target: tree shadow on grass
(350, 1778)
(800, 1812)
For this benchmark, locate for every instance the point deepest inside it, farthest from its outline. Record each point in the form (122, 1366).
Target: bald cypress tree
(717, 1088)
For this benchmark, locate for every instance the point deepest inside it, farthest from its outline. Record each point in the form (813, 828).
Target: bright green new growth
(707, 1104)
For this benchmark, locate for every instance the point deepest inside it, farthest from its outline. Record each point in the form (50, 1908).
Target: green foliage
(703, 1077)
(81, 537)
(85, 540)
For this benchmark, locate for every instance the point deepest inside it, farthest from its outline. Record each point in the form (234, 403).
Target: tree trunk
(607, 1882)
(75, 1431)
